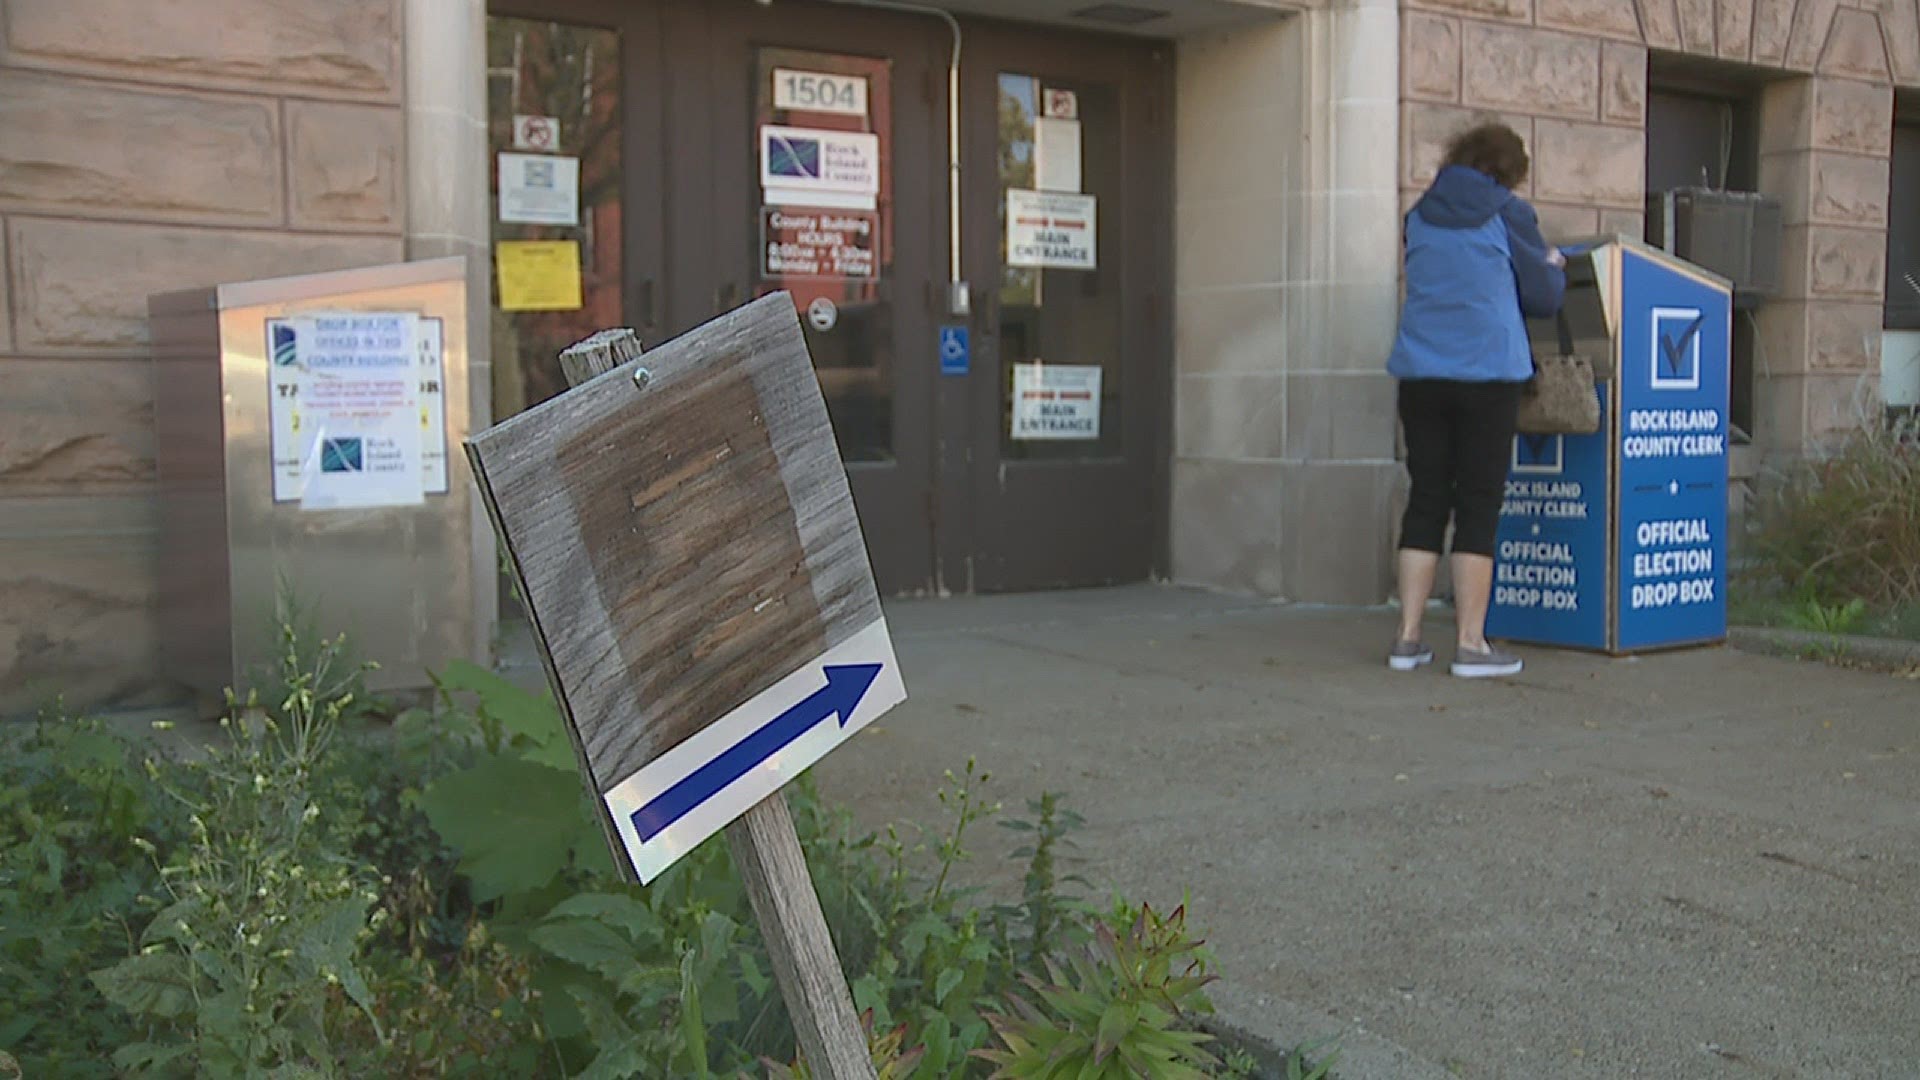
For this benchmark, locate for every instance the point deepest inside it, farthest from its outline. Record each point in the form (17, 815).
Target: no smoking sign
(537, 133)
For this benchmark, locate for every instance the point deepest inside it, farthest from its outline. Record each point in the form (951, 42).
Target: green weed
(242, 970)
(1844, 526)
(327, 894)
(1117, 1008)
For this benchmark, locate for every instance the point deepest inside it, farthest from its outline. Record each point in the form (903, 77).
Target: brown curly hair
(1494, 149)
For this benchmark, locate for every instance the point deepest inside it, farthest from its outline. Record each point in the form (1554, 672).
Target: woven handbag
(1562, 398)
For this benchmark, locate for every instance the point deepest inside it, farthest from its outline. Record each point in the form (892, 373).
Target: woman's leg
(1423, 530)
(1472, 593)
(1483, 450)
(1417, 572)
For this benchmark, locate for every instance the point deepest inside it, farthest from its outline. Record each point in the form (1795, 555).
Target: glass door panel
(553, 120)
(824, 183)
(1069, 235)
(1060, 328)
(824, 208)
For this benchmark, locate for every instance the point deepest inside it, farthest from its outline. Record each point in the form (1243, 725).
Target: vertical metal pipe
(958, 302)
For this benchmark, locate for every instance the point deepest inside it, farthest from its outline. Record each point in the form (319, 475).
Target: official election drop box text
(1617, 541)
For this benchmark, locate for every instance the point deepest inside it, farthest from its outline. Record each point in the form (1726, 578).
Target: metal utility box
(1735, 234)
(1617, 541)
(303, 434)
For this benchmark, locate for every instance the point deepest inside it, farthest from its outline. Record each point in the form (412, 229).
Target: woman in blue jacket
(1475, 262)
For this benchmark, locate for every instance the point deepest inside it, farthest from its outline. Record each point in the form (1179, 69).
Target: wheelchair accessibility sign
(956, 353)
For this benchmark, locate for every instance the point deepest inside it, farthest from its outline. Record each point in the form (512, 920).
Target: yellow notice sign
(538, 275)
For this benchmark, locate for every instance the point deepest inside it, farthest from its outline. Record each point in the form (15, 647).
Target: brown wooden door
(593, 67)
(960, 484)
(699, 85)
(1069, 245)
(840, 82)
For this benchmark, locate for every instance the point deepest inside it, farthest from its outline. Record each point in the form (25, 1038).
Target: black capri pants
(1459, 443)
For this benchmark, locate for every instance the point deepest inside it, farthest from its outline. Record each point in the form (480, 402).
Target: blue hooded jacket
(1475, 262)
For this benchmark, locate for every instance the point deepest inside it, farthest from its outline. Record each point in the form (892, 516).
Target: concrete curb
(1286, 1024)
(1882, 653)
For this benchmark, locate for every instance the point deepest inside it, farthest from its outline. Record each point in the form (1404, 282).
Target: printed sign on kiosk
(1671, 464)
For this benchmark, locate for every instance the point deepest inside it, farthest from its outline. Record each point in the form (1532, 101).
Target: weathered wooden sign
(687, 547)
(686, 544)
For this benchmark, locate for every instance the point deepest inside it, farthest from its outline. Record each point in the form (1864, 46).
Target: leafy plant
(1045, 907)
(623, 981)
(928, 951)
(520, 845)
(70, 884)
(891, 1059)
(1302, 1066)
(1845, 526)
(241, 971)
(1119, 1007)
(321, 895)
(1820, 618)
(469, 1012)
(671, 980)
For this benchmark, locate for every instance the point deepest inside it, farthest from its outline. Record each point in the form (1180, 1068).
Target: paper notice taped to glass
(538, 275)
(345, 410)
(1056, 155)
(1056, 401)
(429, 337)
(1051, 231)
(539, 189)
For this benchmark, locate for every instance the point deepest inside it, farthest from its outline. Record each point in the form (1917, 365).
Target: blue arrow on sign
(846, 685)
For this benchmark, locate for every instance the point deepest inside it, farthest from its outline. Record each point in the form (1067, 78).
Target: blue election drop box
(1617, 542)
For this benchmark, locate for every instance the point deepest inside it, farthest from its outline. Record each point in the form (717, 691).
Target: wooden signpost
(687, 548)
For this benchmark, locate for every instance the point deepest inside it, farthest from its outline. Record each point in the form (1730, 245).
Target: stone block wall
(1571, 77)
(1825, 152)
(147, 147)
(1287, 253)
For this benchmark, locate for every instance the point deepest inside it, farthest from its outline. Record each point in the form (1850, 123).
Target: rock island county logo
(342, 455)
(793, 157)
(1676, 348)
(285, 346)
(1539, 455)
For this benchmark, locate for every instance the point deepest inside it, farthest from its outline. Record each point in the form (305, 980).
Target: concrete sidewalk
(1693, 865)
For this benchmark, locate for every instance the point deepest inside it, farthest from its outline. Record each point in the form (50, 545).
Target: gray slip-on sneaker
(1490, 663)
(1408, 655)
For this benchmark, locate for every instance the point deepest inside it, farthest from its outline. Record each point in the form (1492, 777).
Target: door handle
(647, 305)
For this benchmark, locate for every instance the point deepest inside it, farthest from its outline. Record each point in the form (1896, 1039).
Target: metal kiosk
(303, 432)
(1617, 541)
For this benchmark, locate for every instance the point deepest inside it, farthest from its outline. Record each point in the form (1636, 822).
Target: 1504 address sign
(819, 92)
